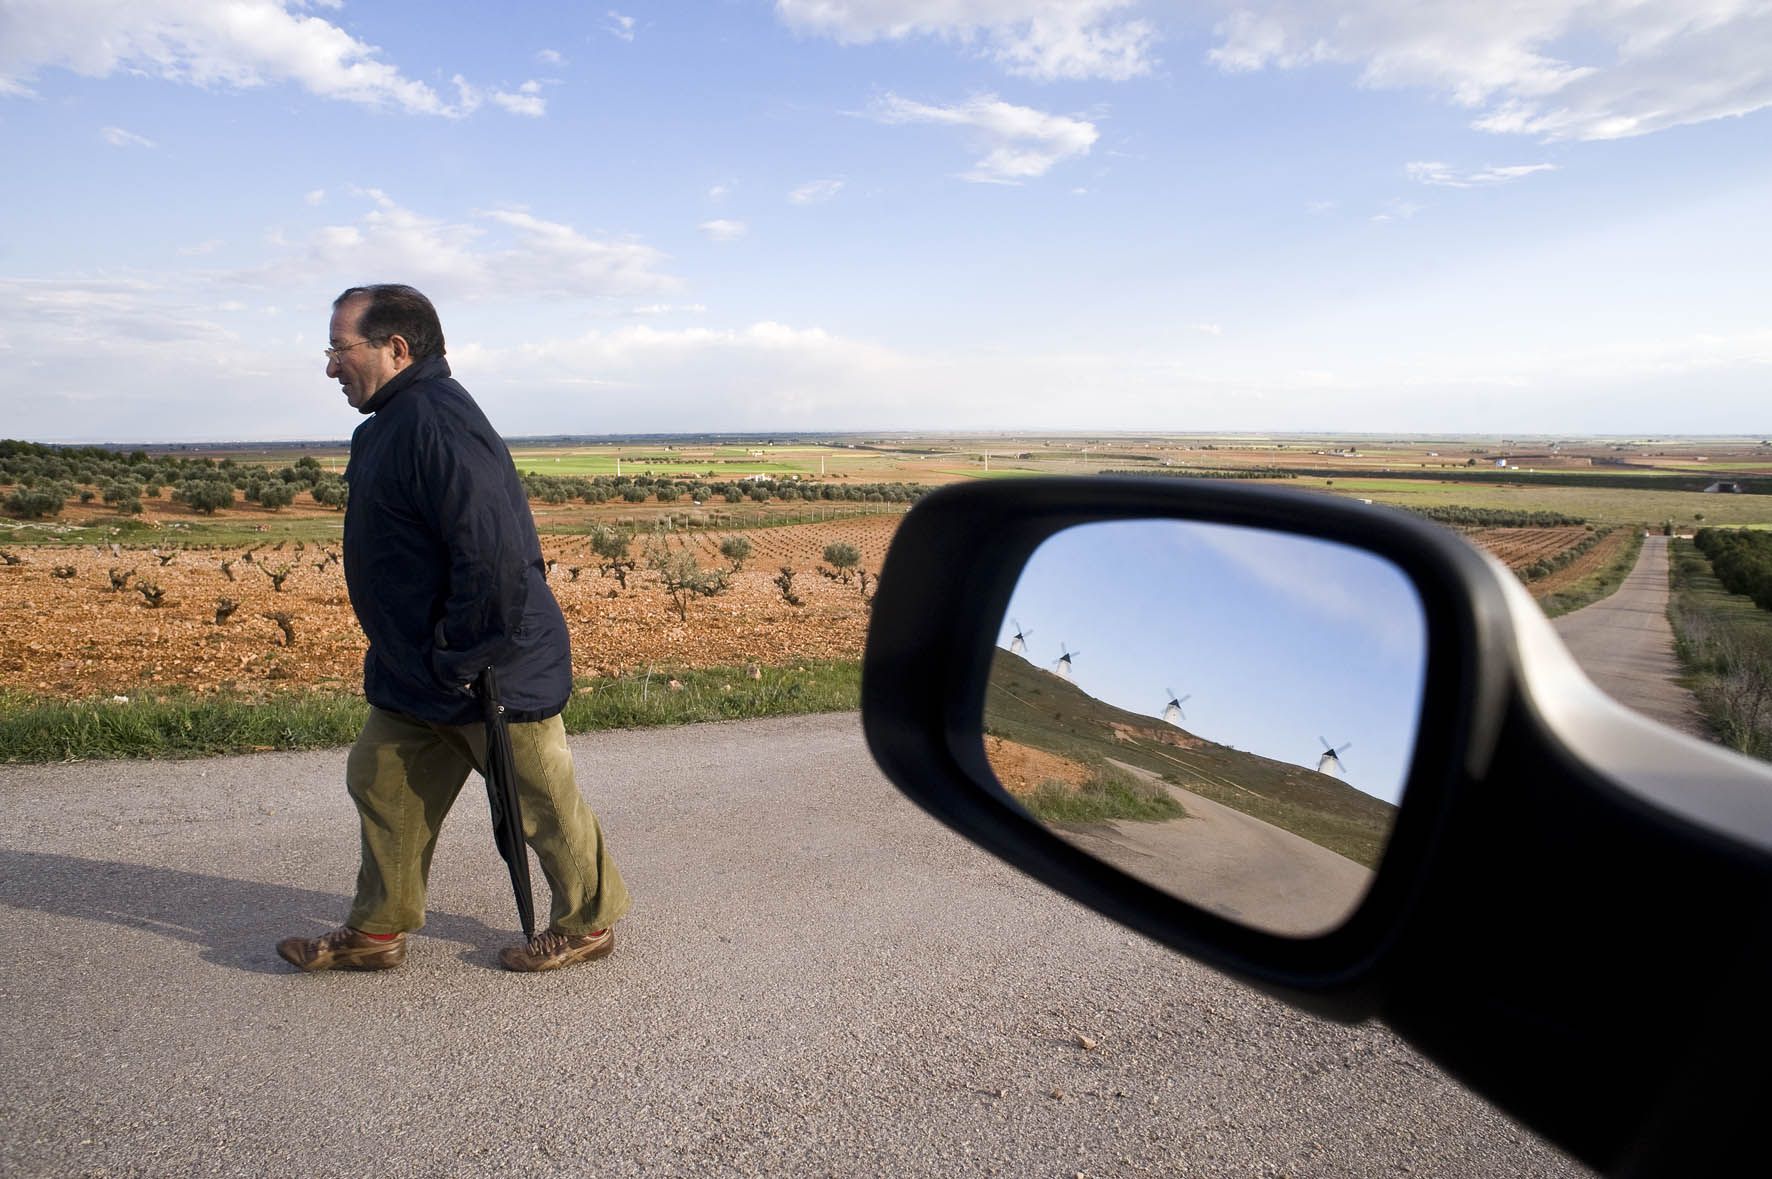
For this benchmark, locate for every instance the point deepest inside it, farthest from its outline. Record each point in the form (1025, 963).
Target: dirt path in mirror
(1231, 863)
(1626, 646)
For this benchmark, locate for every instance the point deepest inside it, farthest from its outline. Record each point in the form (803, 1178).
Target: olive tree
(736, 549)
(683, 577)
(611, 545)
(843, 557)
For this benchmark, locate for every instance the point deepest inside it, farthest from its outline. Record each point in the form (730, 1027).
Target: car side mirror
(1225, 715)
(1555, 898)
(1225, 792)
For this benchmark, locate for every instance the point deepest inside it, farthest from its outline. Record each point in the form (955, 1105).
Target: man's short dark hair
(398, 310)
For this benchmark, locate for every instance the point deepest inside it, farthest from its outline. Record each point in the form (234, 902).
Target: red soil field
(73, 636)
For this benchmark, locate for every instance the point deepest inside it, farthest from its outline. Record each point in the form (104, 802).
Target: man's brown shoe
(551, 950)
(343, 949)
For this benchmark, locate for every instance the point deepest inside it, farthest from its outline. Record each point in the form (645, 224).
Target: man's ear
(402, 350)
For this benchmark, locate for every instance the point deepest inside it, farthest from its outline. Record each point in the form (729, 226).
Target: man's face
(362, 367)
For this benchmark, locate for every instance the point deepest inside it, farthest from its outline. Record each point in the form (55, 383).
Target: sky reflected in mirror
(1272, 643)
(1226, 713)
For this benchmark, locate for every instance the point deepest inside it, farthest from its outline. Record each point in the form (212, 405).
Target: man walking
(445, 574)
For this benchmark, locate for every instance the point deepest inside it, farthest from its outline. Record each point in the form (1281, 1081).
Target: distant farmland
(64, 631)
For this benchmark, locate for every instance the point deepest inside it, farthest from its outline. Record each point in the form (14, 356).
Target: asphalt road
(1624, 643)
(816, 979)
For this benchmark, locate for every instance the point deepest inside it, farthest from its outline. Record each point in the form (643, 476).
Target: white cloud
(651, 309)
(723, 229)
(531, 367)
(316, 197)
(1209, 329)
(525, 100)
(118, 137)
(1044, 39)
(234, 44)
(719, 192)
(767, 375)
(1397, 211)
(85, 332)
(815, 192)
(1445, 176)
(619, 26)
(201, 248)
(1019, 143)
(501, 253)
(1557, 69)
(1347, 588)
(552, 57)
(116, 309)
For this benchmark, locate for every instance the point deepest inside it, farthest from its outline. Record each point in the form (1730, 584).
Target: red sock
(380, 937)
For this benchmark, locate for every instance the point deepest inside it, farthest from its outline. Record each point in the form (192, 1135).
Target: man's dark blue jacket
(441, 559)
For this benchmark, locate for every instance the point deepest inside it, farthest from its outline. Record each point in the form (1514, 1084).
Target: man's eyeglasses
(334, 353)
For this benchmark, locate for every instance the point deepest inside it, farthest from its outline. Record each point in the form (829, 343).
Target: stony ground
(65, 632)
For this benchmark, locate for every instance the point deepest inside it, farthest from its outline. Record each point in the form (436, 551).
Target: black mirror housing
(1574, 912)
(943, 591)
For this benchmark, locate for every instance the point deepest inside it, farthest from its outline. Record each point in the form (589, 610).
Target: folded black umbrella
(501, 793)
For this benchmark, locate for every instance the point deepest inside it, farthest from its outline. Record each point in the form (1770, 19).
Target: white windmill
(1172, 713)
(1019, 644)
(1330, 762)
(1063, 664)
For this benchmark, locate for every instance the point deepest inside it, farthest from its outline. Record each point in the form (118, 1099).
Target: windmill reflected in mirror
(1239, 804)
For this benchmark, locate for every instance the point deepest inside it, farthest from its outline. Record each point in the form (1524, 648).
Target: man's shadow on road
(236, 922)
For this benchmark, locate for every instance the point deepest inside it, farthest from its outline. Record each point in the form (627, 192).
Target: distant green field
(542, 463)
(1393, 490)
(1763, 465)
(222, 530)
(1600, 505)
(981, 473)
(725, 462)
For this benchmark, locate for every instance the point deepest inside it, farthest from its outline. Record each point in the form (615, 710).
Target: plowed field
(73, 636)
(1519, 547)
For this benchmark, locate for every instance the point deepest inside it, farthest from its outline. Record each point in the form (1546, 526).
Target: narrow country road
(817, 979)
(1626, 646)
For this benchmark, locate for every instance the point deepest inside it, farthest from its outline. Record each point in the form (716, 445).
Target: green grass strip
(1110, 794)
(41, 729)
(712, 694)
(35, 729)
(1601, 583)
(1725, 644)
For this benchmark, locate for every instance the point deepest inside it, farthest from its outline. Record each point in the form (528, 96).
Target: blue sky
(1273, 643)
(1365, 215)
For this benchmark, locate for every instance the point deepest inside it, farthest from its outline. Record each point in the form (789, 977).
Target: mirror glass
(1227, 713)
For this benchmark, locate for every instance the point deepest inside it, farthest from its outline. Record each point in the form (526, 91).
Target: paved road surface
(816, 980)
(1626, 646)
(1235, 864)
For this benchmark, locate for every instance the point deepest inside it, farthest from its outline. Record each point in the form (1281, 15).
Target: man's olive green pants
(404, 774)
